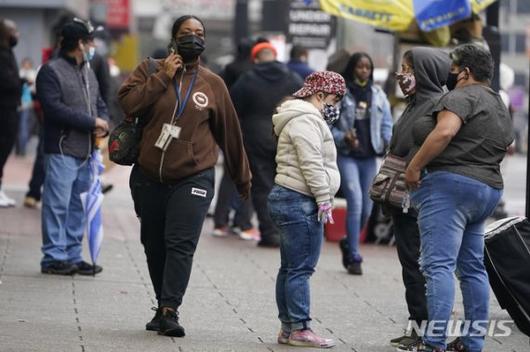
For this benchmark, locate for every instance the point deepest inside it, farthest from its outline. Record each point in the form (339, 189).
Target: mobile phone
(172, 47)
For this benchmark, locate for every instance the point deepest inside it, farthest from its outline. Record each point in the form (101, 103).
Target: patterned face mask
(407, 83)
(330, 114)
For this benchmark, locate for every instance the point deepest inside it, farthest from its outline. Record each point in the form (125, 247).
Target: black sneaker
(59, 268)
(169, 324)
(270, 241)
(154, 324)
(407, 339)
(83, 268)
(355, 268)
(456, 346)
(345, 251)
(419, 347)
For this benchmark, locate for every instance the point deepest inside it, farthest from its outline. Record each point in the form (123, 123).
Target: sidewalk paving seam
(148, 287)
(76, 312)
(4, 255)
(225, 299)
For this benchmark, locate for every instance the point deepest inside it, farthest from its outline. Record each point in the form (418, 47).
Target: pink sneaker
(307, 338)
(283, 337)
(251, 234)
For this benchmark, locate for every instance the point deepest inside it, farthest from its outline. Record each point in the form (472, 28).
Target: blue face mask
(90, 54)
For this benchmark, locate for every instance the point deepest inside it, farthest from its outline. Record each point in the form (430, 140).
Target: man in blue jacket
(298, 61)
(74, 114)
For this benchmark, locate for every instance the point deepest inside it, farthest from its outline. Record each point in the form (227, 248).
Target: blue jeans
(452, 212)
(63, 219)
(356, 177)
(301, 235)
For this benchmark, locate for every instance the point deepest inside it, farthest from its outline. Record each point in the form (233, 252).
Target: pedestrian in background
(74, 114)
(227, 197)
(362, 133)
(10, 93)
(301, 200)
(457, 183)
(255, 95)
(421, 79)
(189, 114)
(27, 75)
(298, 61)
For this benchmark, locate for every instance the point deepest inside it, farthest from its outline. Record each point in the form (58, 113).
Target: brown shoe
(30, 202)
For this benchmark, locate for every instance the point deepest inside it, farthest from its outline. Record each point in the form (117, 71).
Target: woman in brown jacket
(189, 113)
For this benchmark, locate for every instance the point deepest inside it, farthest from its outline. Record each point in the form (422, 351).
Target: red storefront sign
(118, 14)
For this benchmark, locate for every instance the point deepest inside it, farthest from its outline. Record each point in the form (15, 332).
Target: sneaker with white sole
(251, 234)
(5, 201)
(220, 231)
(307, 338)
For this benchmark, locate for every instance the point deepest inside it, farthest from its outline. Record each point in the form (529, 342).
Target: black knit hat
(77, 29)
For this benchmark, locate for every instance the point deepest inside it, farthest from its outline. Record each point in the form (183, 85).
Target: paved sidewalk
(229, 305)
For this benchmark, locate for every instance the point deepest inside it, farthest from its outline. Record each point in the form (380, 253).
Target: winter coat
(306, 157)
(256, 95)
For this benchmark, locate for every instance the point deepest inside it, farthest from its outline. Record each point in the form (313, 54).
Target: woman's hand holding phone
(171, 64)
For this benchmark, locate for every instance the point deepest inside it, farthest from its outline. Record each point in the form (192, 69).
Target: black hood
(271, 71)
(431, 67)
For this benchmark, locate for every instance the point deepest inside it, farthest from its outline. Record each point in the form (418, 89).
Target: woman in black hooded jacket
(422, 77)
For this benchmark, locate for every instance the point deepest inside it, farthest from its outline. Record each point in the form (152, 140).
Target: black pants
(8, 135)
(407, 236)
(171, 222)
(263, 173)
(37, 174)
(228, 198)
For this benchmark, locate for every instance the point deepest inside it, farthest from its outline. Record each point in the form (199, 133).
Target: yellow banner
(395, 15)
(479, 5)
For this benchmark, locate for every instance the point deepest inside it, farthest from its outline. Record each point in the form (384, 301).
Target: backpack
(124, 140)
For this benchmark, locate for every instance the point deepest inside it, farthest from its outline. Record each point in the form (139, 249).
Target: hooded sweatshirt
(306, 156)
(208, 119)
(431, 67)
(255, 95)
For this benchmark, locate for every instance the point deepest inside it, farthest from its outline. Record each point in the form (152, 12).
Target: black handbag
(124, 140)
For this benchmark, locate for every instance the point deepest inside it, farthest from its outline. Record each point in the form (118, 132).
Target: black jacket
(234, 70)
(256, 95)
(431, 67)
(10, 83)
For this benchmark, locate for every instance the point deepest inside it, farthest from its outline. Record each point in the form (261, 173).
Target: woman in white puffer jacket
(300, 202)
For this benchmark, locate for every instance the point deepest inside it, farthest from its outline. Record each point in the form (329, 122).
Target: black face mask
(13, 41)
(190, 47)
(452, 80)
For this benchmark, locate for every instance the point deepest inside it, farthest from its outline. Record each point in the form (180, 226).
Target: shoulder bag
(388, 186)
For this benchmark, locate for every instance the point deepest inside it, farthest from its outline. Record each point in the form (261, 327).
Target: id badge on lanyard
(169, 130)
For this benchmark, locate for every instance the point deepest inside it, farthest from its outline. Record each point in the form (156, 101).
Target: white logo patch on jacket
(200, 99)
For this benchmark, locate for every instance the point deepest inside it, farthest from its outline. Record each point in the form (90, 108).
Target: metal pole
(241, 26)
(493, 37)
(527, 212)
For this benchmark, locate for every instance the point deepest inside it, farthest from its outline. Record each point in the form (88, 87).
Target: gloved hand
(324, 213)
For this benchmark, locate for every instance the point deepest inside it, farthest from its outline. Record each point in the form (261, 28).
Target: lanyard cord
(182, 105)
